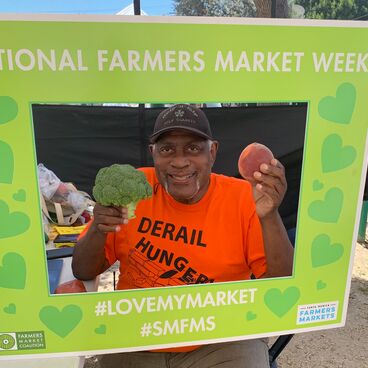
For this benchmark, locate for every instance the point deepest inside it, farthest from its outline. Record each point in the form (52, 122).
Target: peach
(251, 159)
(69, 287)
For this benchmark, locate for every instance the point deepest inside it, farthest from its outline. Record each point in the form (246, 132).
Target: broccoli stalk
(131, 209)
(121, 185)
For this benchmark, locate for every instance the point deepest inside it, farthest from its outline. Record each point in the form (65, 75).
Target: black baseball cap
(182, 116)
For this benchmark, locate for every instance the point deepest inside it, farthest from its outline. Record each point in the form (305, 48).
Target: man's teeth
(181, 178)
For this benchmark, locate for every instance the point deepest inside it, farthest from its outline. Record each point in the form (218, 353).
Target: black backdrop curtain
(75, 141)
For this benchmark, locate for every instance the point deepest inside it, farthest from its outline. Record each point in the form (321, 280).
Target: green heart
(7, 163)
(100, 330)
(328, 210)
(8, 109)
(317, 185)
(323, 252)
(10, 309)
(61, 322)
(12, 224)
(321, 285)
(20, 196)
(13, 271)
(251, 316)
(334, 155)
(339, 109)
(281, 302)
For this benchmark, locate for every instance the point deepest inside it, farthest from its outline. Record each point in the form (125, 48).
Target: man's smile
(181, 178)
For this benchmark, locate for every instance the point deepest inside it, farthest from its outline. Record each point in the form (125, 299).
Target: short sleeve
(110, 253)
(254, 249)
(109, 244)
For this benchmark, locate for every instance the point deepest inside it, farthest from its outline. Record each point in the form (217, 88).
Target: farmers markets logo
(312, 313)
(26, 340)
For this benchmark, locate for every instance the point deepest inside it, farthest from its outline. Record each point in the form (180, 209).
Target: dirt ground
(336, 348)
(344, 347)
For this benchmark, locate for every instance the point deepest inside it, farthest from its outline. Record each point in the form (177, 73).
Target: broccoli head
(121, 185)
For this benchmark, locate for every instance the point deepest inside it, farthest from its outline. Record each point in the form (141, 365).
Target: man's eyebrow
(196, 141)
(163, 142)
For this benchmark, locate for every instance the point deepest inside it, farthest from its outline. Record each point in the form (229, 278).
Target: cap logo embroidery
(168, 122)
(179, 113)
(181, 116)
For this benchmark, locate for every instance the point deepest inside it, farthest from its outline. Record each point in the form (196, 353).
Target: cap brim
(154, 137)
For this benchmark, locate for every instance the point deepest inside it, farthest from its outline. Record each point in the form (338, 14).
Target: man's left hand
(270, 188)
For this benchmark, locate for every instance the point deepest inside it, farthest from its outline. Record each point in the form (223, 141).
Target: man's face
(183, 163)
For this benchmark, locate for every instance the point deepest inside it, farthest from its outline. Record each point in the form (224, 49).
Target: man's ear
(213, 151)
(151, 148)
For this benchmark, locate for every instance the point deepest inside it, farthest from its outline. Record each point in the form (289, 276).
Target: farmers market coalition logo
(26, 340)
(8, 341)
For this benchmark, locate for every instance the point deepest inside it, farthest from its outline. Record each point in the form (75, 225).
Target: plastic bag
(61, 202)
(48, 181)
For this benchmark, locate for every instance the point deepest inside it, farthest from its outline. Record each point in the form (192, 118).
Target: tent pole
(137, 7)
(141, 107)
(273, 8)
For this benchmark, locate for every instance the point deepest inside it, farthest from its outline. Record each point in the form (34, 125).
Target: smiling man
(183, 152)
(198, 227)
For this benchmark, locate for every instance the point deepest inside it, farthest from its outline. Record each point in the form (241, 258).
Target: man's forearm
(89, 255)
(278, 249)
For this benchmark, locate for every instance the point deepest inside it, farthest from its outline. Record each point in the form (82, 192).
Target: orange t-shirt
(169, 243)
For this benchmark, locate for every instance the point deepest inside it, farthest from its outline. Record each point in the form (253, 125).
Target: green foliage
(215, 8)
(334, 9)
(121, 185)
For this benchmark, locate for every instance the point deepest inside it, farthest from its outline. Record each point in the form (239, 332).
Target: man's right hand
(89, 259)
(109, 219)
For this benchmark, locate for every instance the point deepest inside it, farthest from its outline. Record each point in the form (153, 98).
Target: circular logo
(6, 341)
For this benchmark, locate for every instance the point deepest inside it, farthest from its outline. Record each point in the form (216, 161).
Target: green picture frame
(90, 59)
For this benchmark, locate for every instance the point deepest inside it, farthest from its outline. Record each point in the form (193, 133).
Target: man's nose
(179, 160)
